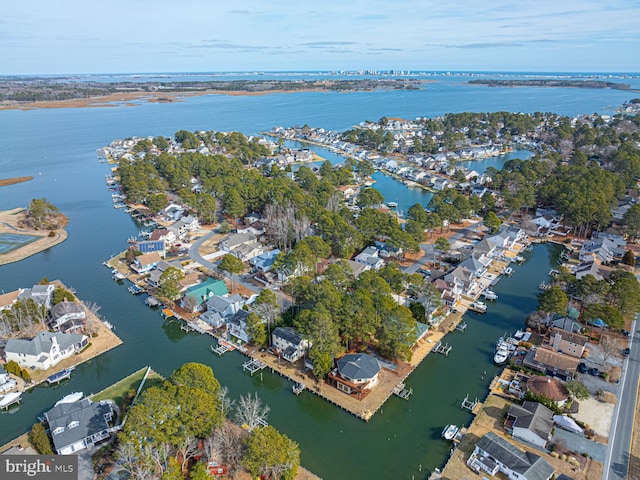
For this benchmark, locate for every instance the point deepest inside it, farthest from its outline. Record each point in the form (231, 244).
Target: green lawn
(118, 391)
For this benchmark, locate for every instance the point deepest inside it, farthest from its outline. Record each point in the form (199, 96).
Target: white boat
(507, 270)
(567, 423)
(449, 432)
(71, 398)
(478, 306)
(392, 204)
(9, 399)
(489, 295)
(519, 259)
(501, 356)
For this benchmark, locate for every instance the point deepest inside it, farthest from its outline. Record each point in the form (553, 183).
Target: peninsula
(550, 82)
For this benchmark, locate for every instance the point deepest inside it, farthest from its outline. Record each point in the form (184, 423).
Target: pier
(59, 376)
(468, 404)
(444, 349)
(461, 327)
(221, 349)
(252, 366)
(402, 391)
(191, 327)
(298, 388)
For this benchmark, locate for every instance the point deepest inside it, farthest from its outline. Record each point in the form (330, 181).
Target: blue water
(57, 147)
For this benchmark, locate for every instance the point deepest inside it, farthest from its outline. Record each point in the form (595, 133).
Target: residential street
(617, 463)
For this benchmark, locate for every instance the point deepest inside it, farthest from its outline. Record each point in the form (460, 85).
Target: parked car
(626, 351)
(582, 367)
(625, 333)
(594, 371)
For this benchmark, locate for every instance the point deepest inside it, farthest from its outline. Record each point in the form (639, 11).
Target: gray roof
(63, 308)
(239, 318)
(358, 366)
(2, 371)
(528, 464)
(472, 263)
(220, 304)
(533, 416)
(42, 343)
(288, 335)
(89, 415)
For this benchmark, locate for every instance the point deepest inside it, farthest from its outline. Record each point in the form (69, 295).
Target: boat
(9, 399)
(553, 272)
(501, 355)
(478, 306)
(450, 432)
(118, 275)
(489, 295)
(519, 258)
(71, 398)
(392, 204)
(59, 376)
(507, 270)
(135, 289)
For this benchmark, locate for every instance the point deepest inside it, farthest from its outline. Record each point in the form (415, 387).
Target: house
(148, 246)
(249, 250)
(588, 267)
(548, 387)
(355, 374)
(463, 281)
(234, 240)
(289, 343)
(257, 228)
(264, 261)
(531, 422)
(67, 316)
(172, 212)
(486, 247)
(78, 425)
(8, 299)
(41, 294)
(356, 267)
(370, 257)
(603, 247)
(146, 262)
(567, 342)
(387, 251)
(153, 280)
(184, 225)
(220, 309)
(565, 323)
(475, 264)
(237, 328)
(44, 350)
(493, 454)
(195, 297)
(551, 363)
(6, 382)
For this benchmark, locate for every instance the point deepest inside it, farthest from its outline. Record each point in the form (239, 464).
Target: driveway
(581, 444)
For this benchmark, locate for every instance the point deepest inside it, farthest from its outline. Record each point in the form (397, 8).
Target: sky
(127, 36)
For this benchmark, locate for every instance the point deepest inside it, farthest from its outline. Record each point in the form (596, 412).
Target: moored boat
(71, 398)
(61, 375)
(501, 355)
(489, 295)
(449, 432)
(9, 399)
(478, 306)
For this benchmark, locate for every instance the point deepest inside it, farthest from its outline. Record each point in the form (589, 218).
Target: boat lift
(298, 388)
(444, 349)
(468, 404)
(402, 391)
(252, 366)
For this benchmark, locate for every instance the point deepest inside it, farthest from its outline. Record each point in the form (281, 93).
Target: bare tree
(608, 346)
(91, 324)
(251, 412)
(537, 319)
(226, 404)
(127, 458)
(227, 443)
(333, 204)
(186, 449)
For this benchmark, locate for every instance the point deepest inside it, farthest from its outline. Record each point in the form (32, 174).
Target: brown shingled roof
(570, 336)
(547, 386)
(554, 359)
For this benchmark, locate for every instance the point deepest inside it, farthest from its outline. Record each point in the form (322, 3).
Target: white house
(44, 350)
(531, 422)
(220, 309)
(67, 316)
(493, 454)
(289, 343)
(6, 382)
(78, 425)
(146, 262)
(234, 240)
(370, 256)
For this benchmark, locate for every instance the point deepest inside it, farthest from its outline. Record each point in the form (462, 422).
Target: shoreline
(9, 224)
(5, 182)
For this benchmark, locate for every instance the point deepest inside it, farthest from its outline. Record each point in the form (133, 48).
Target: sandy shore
(9, 224)
(5, 182)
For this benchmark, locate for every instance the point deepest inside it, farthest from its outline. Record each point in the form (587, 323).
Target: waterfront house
(565, 323)
(237, 328)
(493, 454)
(41, 294)
(486, 247)
(264, 261)
(44, 350)
(172, 212)
(148, 246)
(370, 256)
(6, 382)
(355, 374)
(78, 425)
(548, 387)
(183, 226)
(8, 299)
(566, 342)
(463, 281)
(474, 263)
(67, 317)
(551, 363)
(588, 267)
(531, 422)
(603, 247)
(220, 309)
(146, 262)
(196, 296)
(289, 343)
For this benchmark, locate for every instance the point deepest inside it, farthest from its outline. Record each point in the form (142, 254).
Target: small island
(26, 232)
(550, 82)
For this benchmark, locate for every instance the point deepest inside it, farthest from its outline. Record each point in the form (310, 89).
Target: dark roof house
(531, 422)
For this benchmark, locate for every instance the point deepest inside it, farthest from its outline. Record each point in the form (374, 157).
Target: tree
(492, 222)
(168, 283)
(41, 214)
(232, 265)
(577, 389)
(207, 207)
(196, 375)
(271, 454)
(228, 445)
(199, 472)
(625, 292)
(39, 439)
(396, 334)
(256, 329)
(609, 346)
(369, 197)
(631, 221)
(234, 205)
(61, 295)
(629, 258)
(552, 300)
(441, 244)
(267, 308)
(157, 202)
(250, 412)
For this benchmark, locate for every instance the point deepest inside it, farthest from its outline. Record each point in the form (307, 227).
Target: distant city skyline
(73, 36)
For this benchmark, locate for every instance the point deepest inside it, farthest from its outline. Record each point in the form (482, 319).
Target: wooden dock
(444, 349)
(468, 404)
(252, 366)
(402, 391)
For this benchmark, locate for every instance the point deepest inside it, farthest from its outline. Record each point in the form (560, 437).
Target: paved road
(617, 463)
